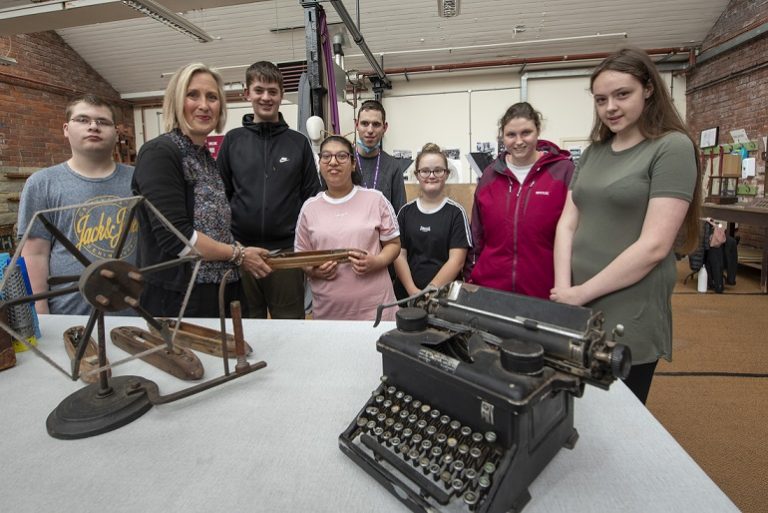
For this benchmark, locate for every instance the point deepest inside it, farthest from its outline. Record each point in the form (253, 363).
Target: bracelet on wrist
(238, 254)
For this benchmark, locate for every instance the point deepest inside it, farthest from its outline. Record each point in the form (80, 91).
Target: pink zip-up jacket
(513, 224)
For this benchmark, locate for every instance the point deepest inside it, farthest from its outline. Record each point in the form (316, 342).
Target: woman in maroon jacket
(518, 202)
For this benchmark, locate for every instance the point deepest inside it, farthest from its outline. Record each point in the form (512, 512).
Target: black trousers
(203, 301)
(639, 379)
(722, 260)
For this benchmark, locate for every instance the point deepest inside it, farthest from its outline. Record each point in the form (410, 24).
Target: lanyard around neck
(375, 174)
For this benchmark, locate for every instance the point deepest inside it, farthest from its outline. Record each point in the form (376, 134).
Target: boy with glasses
(380, 170)
(268, 171)
(90, 175)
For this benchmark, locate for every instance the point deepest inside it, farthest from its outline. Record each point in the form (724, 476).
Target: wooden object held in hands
(298, 259)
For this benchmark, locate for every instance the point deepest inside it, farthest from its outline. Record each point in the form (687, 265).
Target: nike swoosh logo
(283, 159)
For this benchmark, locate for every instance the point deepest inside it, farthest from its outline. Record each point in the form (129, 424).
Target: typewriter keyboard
(446, 459)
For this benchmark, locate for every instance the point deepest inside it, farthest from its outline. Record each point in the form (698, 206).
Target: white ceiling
(133, 53)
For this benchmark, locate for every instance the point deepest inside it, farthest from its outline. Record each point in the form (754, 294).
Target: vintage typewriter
(477, 395)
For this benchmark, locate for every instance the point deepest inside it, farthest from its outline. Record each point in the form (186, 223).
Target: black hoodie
(268, 172)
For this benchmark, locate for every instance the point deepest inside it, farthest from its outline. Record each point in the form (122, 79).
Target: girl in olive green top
(634, 188)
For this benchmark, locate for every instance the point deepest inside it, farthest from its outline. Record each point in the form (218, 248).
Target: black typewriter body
(467, 415)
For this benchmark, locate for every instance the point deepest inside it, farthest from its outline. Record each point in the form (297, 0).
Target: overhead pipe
(381, 75)
(518, 61)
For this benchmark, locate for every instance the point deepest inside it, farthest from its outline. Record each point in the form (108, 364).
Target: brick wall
(33, 96)
(730, 91)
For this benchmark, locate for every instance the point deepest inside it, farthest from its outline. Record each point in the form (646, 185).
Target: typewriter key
(389, 422)
(407, 432)
(381, 417)
(435, 414)
(457, 466)
(441, 438)
(407, 399)
(424, 464)
(484, 482)
(412, 418)
(434, 469)
(448, 458)
(436, 452)
(431, 430)
(463, 449)
(445, 477)
(404, 450)
(399, 394)
(421, 424)
(416, 439)
(470, 498)
(455, 425)
(371, 424)
(391, 390)
(445, 419)
(425, 408)
(386, 404)
(372, 411)
(490, 437)
(404, 414)
(470, 474)
(466, 431)
(413, 454)
(395, 408)
(379, 399)
(398, 427)
(416, 404)
(361, 421)
(451, 442)
(386, 435)
(477, 437)
(426, 445)
(394, 441)
(457, 485)
(475, 452)
(377, 431)
(489, 468)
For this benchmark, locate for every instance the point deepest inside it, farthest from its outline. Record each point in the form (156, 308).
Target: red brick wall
(33, 96)
(730, 91)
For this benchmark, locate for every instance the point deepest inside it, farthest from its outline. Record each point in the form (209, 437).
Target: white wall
(456, 111)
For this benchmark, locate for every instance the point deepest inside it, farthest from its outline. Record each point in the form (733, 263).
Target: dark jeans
(203, 301)
(281, 294)
(639, 379)
(722, 259)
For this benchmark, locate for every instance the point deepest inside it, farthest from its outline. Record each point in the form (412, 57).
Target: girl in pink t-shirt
(348, 216)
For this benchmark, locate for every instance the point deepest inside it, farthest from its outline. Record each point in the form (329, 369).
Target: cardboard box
(731, 165)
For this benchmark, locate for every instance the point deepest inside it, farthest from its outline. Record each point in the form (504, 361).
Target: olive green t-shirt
(611, 190)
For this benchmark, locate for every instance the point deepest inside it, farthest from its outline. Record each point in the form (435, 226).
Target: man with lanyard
(380, 170)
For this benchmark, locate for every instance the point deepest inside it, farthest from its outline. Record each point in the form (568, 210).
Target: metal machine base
(90, 411)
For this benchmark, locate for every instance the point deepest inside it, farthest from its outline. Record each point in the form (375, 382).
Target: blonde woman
(177, 174)
(434, 230)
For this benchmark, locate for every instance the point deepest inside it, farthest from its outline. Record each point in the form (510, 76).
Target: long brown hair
(659, 118)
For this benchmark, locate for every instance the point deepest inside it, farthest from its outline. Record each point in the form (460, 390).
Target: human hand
(325, 271)
(254, 262)
(568, 295)
(362, 262)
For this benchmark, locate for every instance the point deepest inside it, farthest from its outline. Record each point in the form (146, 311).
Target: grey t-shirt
(389, 179)
(612, 189)
(93, 230)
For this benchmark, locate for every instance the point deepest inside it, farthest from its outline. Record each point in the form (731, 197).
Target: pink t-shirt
(360, 220)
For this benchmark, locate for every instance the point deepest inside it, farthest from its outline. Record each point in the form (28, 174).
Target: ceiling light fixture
(159, 13)
(448, 8)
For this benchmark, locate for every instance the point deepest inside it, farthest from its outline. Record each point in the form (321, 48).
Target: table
(268, 441)
(736, 213)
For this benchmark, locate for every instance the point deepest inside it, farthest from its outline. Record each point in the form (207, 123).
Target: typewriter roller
(476, 397)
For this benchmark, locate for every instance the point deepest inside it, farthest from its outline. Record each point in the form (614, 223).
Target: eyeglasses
(86, 121)
(425, 172)
(341, 156)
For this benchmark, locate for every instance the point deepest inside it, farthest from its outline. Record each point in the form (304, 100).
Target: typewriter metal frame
(451, 350)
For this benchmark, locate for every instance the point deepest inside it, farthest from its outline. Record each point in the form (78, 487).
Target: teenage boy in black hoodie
(268, 172)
